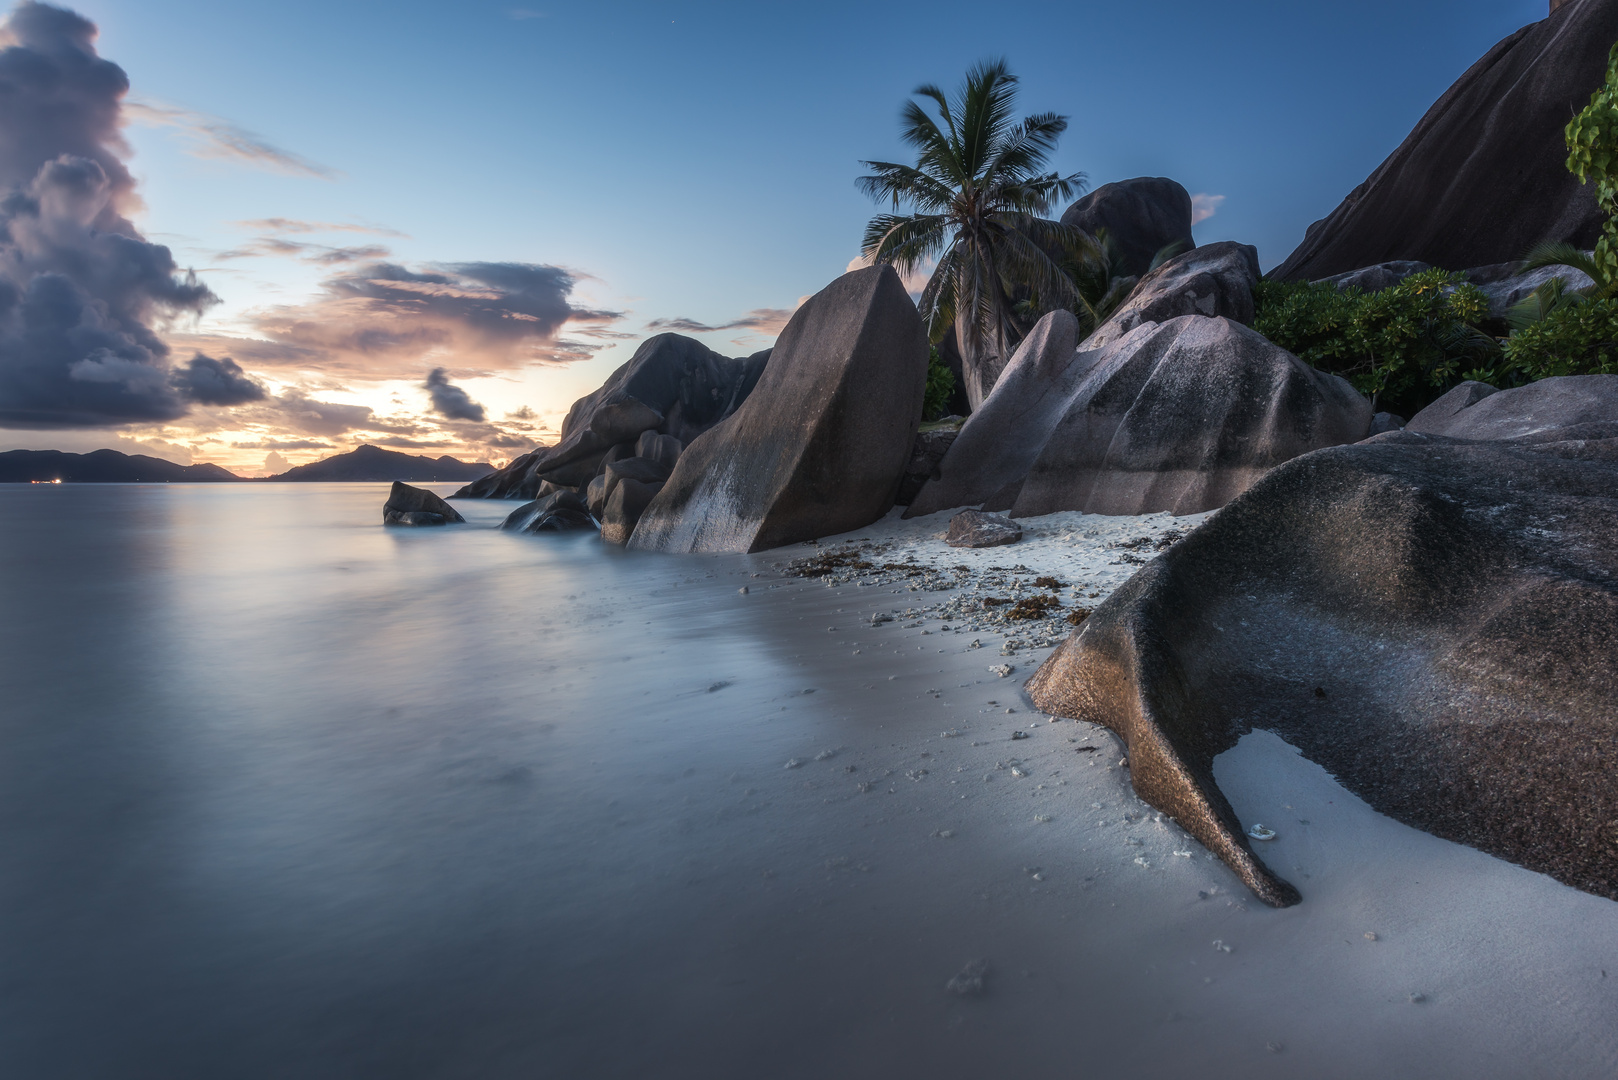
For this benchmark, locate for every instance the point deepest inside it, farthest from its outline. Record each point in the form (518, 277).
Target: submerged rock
(408, 505)
(560, 511)
(1185, 418)
(975, 529)
(1434, 621)
(820, 445)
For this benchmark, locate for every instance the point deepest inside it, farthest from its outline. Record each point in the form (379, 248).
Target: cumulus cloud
(759, 320)
(914, 281)
(211, 137)
(275, 463)
(373, 320)
(80, 289)
(450, 401)
(215, 382)
(1204, 206)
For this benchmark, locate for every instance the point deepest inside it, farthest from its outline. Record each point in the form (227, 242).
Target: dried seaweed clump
(1033, 607)
(827, 561)
(1078, 615)
(1048, 583)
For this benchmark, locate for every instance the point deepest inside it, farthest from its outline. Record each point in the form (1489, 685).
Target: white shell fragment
(1259, 832)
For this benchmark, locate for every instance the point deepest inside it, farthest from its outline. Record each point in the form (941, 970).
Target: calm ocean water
(284, 793)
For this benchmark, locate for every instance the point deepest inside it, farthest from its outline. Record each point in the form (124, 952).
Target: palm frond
(1560, 254)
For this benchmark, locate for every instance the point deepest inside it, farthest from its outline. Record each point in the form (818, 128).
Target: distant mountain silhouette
(103, 467)
(376, 464)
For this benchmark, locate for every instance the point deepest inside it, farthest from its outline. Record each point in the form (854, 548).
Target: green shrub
(1579, 339)
(940, 387)
(1401, 345)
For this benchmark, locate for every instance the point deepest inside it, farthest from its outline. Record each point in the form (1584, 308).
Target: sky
(260, 234)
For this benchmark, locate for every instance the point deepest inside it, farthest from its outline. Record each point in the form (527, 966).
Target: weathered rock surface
(408, 505)
(1434, 621)
(1378, 277)
(975, 529)
(1505, 286)
(1482, 178)
(1561, 408)
(1215, 279)
(626, 504)
(999, 442)
(559, 511)
(820, 445)
(926, 453)
(1383, 422)
(673, 385)
(1142, 216)
(1185, 418)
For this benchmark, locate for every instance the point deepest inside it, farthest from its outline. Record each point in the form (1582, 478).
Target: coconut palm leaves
(977, 192)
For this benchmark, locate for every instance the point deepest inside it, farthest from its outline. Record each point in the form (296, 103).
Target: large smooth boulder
(626, 504)
(999, 442)
(1483, 177)
(1215, 279)
(820, 445)
(560, 511)
(1141, 216)
(1505, 285)
(1564, 407)
(1184, 420)
(408, 505)
(673, 385)
(1378, 277)
(1433, 621)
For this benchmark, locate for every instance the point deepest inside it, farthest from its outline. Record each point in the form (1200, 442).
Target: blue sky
(691, 161)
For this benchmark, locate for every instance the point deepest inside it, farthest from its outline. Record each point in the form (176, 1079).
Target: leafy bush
(1592, 144)
(1579, 339)
(940, 387)
(1401, 345)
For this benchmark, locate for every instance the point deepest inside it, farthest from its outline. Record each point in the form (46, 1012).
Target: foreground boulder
(1482, 178)
(1215, 279)
(1187, 416)
(673, 385)
(558, 511)
(1561, 408)
(1434, 621)
(975, 529)
(1141, 216)
(820, 445)
(408, 505)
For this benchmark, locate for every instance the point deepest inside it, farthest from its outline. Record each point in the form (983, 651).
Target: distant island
(367, 463)
(376, 464)
(102, 467)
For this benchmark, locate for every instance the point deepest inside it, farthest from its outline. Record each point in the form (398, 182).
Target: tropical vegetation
(976, 196)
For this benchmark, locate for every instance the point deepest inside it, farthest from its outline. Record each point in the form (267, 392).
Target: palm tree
(978, 193)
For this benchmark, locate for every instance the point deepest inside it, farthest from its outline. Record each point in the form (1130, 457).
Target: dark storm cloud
(450, 401)
(80, 288)
(215, 382)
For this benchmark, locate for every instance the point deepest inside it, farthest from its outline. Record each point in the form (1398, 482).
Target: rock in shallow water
(1457, 604)
(408, 505)
(975, 529)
